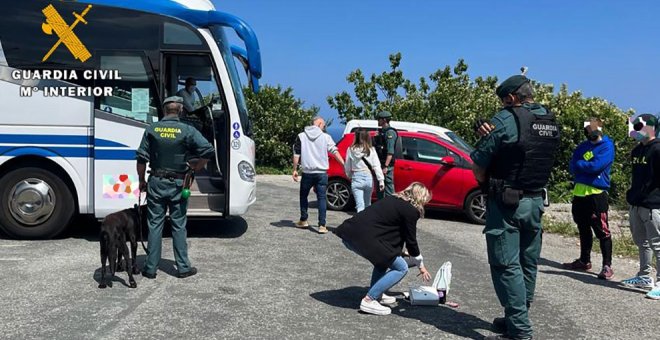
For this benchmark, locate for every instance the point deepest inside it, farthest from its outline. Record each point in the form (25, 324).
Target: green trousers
(389, 184)
(513, 239)
(163, 194)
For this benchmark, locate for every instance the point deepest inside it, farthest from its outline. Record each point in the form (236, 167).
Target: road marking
(12, 259)
(12, 245)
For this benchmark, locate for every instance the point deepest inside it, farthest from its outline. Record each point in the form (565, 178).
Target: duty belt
(167, 174)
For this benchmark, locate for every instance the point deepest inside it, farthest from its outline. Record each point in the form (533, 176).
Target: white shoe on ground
(373, 307)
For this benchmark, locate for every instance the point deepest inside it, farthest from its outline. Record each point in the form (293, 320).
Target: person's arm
(410, 217)
(571, 163)
(142, 156)
(375, 164)
(202, 149)
(485, 150)
(332, 148)
(601, 160)
(296, 157)
(348, 164)
(390, 141)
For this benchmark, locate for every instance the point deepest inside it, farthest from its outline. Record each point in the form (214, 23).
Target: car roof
(351, 125)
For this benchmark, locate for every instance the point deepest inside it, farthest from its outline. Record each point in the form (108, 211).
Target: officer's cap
(173, 99)
(510, 85)
(383, 114)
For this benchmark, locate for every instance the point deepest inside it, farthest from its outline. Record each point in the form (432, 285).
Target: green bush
(277, 118)
(450, 98)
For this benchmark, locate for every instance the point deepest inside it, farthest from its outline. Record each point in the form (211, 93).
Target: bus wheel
(34, 204)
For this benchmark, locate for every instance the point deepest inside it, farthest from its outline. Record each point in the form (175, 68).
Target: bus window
(175, 34)
(134, 95)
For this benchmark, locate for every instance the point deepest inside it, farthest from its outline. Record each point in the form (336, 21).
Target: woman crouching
(378, 234)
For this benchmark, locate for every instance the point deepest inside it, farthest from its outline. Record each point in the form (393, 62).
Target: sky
(608, 49)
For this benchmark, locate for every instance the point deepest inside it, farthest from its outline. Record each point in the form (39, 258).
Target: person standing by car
(514, 162)
(590, 164)
(378, 234)
(311, 149)
(385, 144)
(644, 199)
(361, 164)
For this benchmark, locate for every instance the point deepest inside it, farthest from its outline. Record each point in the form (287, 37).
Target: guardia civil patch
(544, 130)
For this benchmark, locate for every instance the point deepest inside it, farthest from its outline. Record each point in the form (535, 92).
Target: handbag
(437, 292)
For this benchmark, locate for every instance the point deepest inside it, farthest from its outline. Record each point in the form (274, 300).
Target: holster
(507, 197)
(188, 178)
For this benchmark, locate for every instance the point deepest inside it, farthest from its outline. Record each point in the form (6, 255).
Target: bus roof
(200, 18)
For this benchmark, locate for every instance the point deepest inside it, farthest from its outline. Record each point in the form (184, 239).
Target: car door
(422, 161)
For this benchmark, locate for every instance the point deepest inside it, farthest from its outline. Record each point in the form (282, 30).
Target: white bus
(80, 81)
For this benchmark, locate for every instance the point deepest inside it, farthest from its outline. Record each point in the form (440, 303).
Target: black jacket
(645, 187)
(379, 231)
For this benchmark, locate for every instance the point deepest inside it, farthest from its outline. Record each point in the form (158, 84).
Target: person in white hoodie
(361, 160)
(311, 149)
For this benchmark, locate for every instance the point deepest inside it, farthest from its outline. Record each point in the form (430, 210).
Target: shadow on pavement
(165, 266)
(585, 277)
(445, 319)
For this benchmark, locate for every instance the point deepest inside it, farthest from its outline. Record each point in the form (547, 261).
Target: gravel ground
(260, 278)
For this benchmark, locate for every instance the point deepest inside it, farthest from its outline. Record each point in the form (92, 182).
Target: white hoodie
(313, 147)
(355, 163)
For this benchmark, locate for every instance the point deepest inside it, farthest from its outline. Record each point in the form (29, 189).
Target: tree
(277, 117)
(449, 98)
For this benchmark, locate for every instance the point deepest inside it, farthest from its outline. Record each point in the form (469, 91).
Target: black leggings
(590, 213)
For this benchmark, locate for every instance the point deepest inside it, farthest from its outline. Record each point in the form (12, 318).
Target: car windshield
(459, 142)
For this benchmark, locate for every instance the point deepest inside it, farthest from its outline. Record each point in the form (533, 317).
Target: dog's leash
(139, 212)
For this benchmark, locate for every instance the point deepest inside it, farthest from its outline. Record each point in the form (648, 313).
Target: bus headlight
(246, 171)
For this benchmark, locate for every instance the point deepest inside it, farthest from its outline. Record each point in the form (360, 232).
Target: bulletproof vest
(380, 143)
(167, 146)
(527, 164)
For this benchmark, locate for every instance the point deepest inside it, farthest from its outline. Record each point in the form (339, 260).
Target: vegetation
(450, 98)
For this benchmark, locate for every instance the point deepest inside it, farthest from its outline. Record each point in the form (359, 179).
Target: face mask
(639, 136)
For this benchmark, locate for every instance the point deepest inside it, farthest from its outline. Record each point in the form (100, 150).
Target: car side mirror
(448, 161)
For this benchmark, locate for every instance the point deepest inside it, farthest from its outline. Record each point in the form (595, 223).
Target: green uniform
(513, 235)
(388, 137)
(167, 145)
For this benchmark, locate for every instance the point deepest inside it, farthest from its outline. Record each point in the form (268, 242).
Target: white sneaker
(373, 307)
(654, 293)
(387, 300)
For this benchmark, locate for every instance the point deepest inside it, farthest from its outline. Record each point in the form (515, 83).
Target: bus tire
(34, 204)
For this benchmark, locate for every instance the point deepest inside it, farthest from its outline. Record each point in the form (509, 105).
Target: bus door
(119, 123)
(205, 109)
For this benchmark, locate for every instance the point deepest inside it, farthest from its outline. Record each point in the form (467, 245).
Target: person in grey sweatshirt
(311, 150)
(361, 165)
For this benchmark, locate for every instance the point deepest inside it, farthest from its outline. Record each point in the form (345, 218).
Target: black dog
(116, 230)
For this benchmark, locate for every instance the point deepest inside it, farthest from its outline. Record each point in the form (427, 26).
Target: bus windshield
(221, 39)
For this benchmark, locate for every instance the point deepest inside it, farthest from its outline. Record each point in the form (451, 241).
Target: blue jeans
(320, 183)
(383, 279)
(362, 184)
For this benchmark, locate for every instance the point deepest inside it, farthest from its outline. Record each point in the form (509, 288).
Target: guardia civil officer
(385, 144)
(169, 146)
(514, 161)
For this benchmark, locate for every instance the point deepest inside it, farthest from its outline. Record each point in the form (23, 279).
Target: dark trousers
(590, 214)
(318, 181)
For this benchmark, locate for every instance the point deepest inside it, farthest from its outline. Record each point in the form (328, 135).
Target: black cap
(510, 85)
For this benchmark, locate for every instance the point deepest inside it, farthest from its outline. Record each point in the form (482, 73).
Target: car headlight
(246, 171)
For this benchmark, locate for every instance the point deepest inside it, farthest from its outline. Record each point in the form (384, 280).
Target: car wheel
(475, 207)
(34, 204)
(339, 194)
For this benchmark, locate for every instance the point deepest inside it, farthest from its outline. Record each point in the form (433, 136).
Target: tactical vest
(380, 143)
(167, 145)
(527, 164)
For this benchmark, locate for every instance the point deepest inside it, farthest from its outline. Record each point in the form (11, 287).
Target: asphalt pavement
(261, 278)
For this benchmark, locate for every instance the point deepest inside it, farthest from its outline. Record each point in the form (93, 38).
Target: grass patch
(269, 170)
(622, 244)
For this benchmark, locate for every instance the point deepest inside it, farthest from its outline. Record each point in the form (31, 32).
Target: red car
(444, 167)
